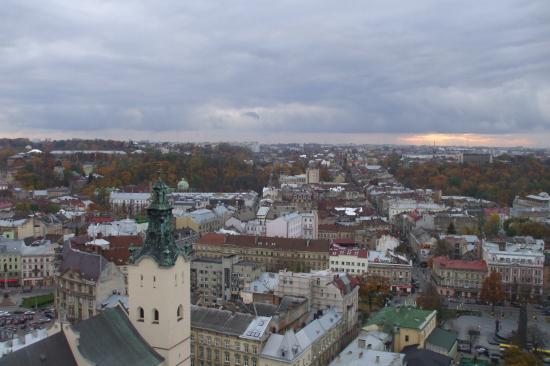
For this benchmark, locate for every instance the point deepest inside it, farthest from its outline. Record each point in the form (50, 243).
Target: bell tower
(158, 285)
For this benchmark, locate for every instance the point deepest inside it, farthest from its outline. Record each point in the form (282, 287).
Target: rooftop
(403, 317)
(442, 338)
(459, 264)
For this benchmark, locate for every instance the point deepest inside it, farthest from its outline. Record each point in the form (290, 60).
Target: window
(155, 316)
(226, 356)
(154, 282)
(406, 338)
(141, 281)
(180, 312)
(237, 359)
(140, 314)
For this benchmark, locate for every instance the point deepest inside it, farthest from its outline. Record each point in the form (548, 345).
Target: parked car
(480, 350)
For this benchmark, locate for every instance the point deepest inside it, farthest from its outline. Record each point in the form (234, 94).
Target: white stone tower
(158, 285)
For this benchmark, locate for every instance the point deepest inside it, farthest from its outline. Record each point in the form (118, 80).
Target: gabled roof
(109, 339)
(442, 338)
(88, 265)
(274, 243)
(50, 351)
(221, 321)
(403, 317)
(423, 357)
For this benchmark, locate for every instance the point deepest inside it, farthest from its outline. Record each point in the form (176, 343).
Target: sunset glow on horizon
(465, 139)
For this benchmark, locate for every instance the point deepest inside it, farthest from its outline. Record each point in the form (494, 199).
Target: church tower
(158, 285)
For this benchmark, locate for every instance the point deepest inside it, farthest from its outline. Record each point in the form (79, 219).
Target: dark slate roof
(443, 338)
(89, 265)
(50, 351)
(221, 321)
(109, 339)
(415, 356)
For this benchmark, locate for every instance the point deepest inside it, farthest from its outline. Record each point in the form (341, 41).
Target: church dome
(183, 185)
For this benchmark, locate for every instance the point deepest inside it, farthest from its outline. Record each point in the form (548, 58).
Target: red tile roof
(356, 252)
(459, 264)
(276, 243)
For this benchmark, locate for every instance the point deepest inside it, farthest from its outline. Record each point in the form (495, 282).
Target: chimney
(361, 343)
(377, 360)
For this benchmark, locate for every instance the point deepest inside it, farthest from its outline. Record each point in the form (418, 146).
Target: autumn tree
(492, 290)
(516, 357)
(442, 248)
(430, 299)
(451, 230)
(374, 290)
(492, 226)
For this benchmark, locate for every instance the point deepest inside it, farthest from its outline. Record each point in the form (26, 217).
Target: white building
(286, 226)
(129, 202)
(352, 261)
(117, 228)
(37, 264)
(520, 263)
(386, 242)
(310, 225)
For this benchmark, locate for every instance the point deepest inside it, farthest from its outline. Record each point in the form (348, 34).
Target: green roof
(109, 339)
(404, 317)
(442, 338)
(466, 361)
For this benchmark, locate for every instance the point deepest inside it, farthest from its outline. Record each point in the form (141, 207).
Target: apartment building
(458, 278)
(222, 337)
(217, 280)
(393, 267)
(38, 264)
(325, 290)
(84, 281)
(272, 252)
(354, 261)
(314, 345)
(520, 263)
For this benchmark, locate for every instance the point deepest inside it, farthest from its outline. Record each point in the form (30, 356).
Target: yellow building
(407, 325)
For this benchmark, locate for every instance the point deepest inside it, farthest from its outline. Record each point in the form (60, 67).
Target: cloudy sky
(471, 72)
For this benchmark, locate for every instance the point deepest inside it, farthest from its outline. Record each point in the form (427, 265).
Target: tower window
(155, 316)
(180, 312)
(154, 282)
(141, 281)
(140, 314)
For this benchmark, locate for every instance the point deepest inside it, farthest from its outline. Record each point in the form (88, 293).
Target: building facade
(458, 278)
(217, 280)
(272, 252)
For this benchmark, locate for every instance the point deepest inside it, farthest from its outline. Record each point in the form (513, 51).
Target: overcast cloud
(274, 67)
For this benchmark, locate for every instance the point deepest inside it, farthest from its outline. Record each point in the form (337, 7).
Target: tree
(516, 357)
(492, 290)
(536, 336)
(442, 248)
(430, 299)
(492, 226)
(451, 230)
(374, 290)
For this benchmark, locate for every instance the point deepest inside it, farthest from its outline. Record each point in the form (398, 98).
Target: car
(480, 350)
(493, 341)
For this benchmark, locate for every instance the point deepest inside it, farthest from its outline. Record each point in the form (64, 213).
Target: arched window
(140, 314)
(180, 312)
(141, 281)
(155, 316)
(154, 281)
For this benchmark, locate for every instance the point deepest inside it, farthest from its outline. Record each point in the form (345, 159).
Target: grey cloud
(286, 66)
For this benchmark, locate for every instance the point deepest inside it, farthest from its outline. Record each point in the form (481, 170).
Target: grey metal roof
(89, 265)
(50, 351)
(221, 321)
(109, 339)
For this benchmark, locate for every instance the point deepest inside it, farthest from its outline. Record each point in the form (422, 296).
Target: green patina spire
(159, 240)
